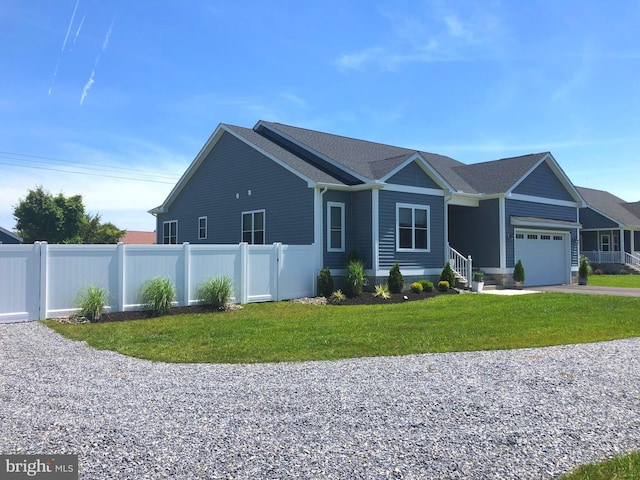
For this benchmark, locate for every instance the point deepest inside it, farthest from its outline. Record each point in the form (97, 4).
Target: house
(136, 237)
(280, 183)
(9, 237)
(610, 228)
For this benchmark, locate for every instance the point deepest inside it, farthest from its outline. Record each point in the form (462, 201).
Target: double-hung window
(412, 227)
(253, 227)
(202, 228)
(335, 227)
(170, 232)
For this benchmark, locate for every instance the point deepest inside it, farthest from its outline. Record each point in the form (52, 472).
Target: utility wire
(152, 176)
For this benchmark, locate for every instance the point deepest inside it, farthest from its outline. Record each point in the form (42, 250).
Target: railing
(460, 265)
(633, 260)
(604, 257)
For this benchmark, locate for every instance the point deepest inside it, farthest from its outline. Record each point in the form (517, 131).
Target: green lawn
(284, 331)
(619, 468)
(622, 281)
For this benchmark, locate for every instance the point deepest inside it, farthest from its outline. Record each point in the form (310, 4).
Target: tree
(42, 217)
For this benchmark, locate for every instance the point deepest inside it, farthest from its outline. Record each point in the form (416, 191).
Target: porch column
(622, 250)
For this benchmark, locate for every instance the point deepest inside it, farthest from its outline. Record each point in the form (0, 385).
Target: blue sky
(127, 92)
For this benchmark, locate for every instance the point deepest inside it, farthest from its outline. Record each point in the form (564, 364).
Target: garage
(545, 256)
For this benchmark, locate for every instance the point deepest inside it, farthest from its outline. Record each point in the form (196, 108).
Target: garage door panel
(544, 257)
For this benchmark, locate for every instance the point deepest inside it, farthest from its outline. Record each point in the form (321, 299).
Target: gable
(543, 182)
(590, 219)
(413, 175)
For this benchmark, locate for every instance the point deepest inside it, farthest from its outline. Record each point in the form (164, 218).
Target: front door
(605, 243)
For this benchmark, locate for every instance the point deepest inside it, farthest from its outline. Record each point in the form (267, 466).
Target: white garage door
(545, 257)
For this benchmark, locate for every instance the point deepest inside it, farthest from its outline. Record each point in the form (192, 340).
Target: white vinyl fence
(43, 281)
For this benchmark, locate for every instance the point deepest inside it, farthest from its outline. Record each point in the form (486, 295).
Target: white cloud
(87, 86)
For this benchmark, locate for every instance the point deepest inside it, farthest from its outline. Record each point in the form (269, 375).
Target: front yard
(620, 281)
(287, 331)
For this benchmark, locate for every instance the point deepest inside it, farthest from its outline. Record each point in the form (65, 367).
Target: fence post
(277, 267)
(186, 252)
(120, 294)
(42, 290)
(469, 271)
(244, 272)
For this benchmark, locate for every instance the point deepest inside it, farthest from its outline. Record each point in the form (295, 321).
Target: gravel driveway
(533, 413)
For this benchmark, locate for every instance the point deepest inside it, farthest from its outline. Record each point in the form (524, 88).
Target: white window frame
(413, 207)
(202, 228)
(330, 229)
(253, 230)
(169, 236)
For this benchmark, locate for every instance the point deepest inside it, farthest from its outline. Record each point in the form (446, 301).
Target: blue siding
(475, 231)
(589, 241)
(388, 254)
(591, 219)
(231, 168)
(413, 175)
(518, 208)
(7, 239)
(542, 182)
(357, 227)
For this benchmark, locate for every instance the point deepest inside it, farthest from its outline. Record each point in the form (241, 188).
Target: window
(335, 227)
(412, 227)
(531, 236)
(520, 236)
(557, 237)
(202, 228)
(253, 227)
(170, 232)
(545, 237)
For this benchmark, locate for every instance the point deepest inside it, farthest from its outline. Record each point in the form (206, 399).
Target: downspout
(319, 230)
(447, 199)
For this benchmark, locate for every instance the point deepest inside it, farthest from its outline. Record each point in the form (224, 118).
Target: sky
(113, 99)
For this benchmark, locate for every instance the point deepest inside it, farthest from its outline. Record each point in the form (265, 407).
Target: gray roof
(373, 161)
(498, 176)
(611, 206)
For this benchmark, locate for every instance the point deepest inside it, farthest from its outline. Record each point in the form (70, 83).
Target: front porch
(599, 257)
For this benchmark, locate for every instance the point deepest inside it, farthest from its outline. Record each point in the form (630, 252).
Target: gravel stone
(517, 414)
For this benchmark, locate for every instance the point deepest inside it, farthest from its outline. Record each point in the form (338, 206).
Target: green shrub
(518, 272)
(427, 285)
(325, 283)
(337, 296)
(356, 279)
(448, 275)
(443, 285)
(91, 301)
(215, 291)
(416, 287)
(396, 279)
(158, 295)
(382, 291)
(478, 277)
(353, 256)
(585, 267)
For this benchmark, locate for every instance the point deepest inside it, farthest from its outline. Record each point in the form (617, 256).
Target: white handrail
(460, 265)
(630, 259)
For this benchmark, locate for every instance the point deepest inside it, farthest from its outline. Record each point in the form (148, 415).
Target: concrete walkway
(589, 290)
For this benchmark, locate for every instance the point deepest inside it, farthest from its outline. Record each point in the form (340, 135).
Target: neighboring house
(9, 237)
(135, 237)
(610, 228)
(279, 183)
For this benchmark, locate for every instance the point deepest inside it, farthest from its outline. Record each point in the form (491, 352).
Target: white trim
(11, 234)
(341, 206)
(206, 228)
(413, 208)
(253, 229)
(375, 227)
(546, 201)
(391, 187)
(560, 175)
(502, 225)
(169, 236)
(317, 225)
(426, 167)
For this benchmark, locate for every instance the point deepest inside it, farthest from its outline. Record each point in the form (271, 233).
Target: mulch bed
(365, 298)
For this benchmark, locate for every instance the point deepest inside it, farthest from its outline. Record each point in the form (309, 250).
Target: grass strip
(285, 331)
(625, 467)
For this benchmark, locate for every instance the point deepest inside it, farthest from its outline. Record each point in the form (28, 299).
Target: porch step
(633, 268)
